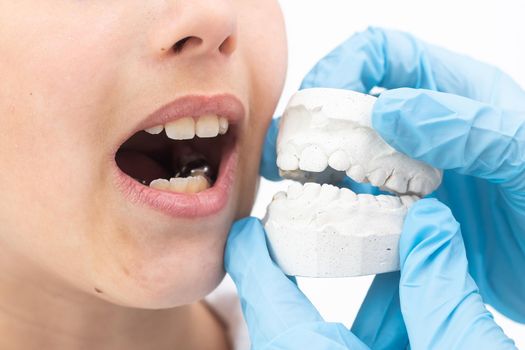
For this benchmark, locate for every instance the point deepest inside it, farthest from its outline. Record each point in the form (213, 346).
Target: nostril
(179, 45)
(228, 45)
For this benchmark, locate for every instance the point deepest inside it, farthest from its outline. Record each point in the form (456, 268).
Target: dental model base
(324, 231)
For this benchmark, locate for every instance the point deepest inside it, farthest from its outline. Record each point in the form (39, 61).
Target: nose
(197, 28)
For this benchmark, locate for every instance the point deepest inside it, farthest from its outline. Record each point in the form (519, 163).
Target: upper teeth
(208, 125)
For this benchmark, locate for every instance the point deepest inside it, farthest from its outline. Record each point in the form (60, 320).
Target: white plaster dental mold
(323, 231)
(325, 133)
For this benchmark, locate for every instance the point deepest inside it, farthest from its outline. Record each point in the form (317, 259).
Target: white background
(491, 31)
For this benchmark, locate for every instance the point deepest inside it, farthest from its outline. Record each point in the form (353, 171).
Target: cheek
(263, 40)
(56, 87)
(263, 44)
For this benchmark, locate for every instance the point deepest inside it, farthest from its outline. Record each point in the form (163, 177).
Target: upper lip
(225, 105)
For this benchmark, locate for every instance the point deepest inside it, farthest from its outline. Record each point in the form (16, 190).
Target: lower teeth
(191, 184)
(193, 174)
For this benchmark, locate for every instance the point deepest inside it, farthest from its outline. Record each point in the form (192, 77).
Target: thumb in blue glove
(440, 302)
(268, 167)
(278, 314)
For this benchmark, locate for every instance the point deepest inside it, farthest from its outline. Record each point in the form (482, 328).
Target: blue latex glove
(439, 299)
(474, 127)
(278, 315)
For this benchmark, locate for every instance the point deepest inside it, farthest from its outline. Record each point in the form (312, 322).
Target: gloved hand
(278, 315)
(472, 125)
(439, 299)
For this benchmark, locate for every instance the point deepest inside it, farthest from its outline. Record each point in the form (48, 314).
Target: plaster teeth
(367, 199)
(339, 160)
(295, 190)
(279, 195)
(181, 129)
(397, 183)
(387, 201)
(356, 173)
(408, 200)
(311, 190)
(207, 126)
(378, 177)
(287, 162)
(289, 148)
(323, 231)
(313, 159)
(347, 195)
(416, 184)
(428, 187)
(287, 159)
(155, 130)
(328, 193)
(333, 131)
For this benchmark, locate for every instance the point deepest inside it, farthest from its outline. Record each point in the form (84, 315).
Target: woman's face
(79, 78)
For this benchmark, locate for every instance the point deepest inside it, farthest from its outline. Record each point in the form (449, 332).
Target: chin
(159, 273)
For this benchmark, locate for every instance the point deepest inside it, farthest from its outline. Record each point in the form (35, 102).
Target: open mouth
(182, 159)
(182, 156)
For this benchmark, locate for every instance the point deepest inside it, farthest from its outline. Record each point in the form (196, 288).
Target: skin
(82, 267)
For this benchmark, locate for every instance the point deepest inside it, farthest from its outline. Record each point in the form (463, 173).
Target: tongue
(140, 166)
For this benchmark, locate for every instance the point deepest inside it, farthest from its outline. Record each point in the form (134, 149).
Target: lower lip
(182, 205)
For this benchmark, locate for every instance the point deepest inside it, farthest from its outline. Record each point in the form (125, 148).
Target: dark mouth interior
(147, 157)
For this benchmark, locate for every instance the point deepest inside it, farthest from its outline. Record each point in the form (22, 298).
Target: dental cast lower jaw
(318, 230)
(181, 156)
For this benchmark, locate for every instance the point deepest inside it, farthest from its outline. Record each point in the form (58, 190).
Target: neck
(39, 312)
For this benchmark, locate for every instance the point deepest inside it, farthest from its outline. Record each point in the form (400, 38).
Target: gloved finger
(270, 301)
(379, 323)
(356, 64)
(454, 132)
(439, 300)
(268, 167)
(394, 59)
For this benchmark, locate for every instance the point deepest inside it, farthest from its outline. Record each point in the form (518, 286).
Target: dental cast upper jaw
(187, 128)
(317, 142)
